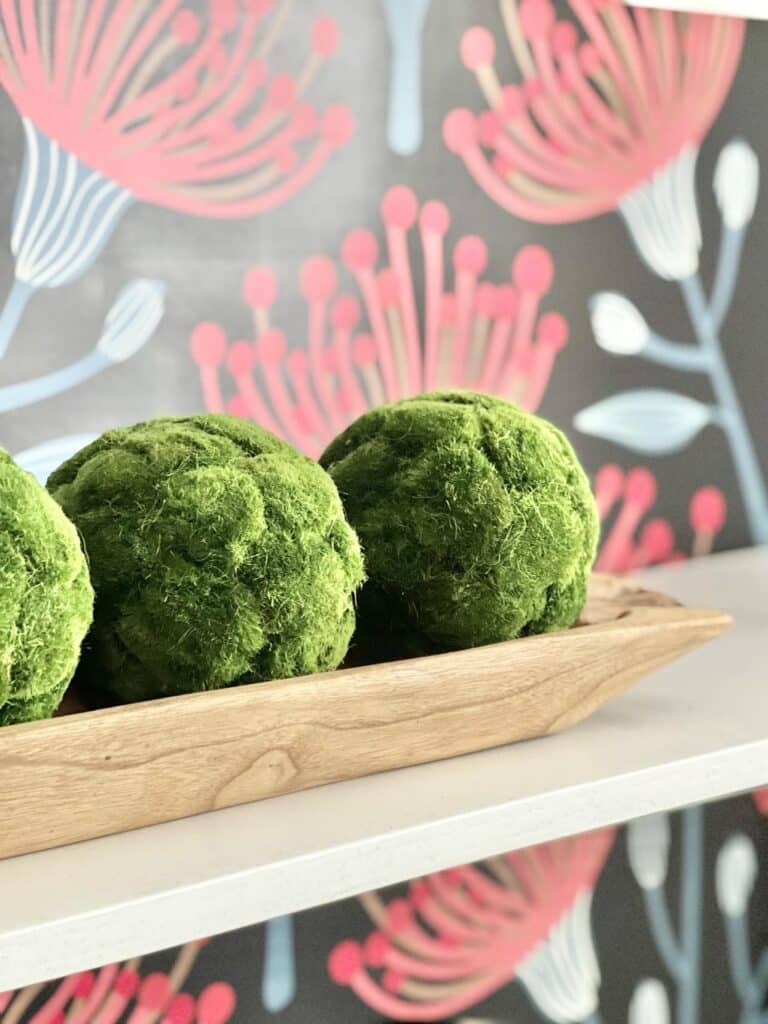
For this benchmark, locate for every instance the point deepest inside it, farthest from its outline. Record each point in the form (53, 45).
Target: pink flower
(610, 114)
(118, 992)
(154, 102)
(178, 109)
(629, 545)
(378, 342)
(462, 934)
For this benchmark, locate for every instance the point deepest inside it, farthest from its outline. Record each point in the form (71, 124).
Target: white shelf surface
(694, 731)
(742, 8)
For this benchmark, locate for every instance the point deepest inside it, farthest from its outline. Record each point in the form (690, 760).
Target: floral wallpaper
(296, 211)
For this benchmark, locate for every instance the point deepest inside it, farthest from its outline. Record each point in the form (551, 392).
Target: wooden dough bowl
(91, 773)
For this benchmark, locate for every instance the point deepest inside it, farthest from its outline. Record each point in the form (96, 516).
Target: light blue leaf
(651, 421)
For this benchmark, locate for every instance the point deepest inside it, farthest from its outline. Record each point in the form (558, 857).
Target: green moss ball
(218, 553)
(46, 600)
(476, 519)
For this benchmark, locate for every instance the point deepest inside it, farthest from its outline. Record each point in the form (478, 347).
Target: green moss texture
(476, 519)
(46, 600)
(218, 553)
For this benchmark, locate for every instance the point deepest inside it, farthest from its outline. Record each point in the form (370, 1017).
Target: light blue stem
(18, 297)
(691, 907)
(726, 273)
(761, 975)
(746, 464)
(594, 1018)
(15, 396)
(671, 353)
(663, 933)
(278, 983)
(740, 964)
(405, 21)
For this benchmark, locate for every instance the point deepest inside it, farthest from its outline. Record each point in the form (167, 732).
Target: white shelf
(742, 8)
(695, 731)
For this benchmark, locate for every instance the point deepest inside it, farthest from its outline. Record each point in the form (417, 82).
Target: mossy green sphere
(46, 600)
(476, 519)
(218, 553)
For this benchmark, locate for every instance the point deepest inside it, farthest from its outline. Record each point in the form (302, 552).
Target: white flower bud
(648, 841)
(649, 1003)
(619, 326)
(736, 183)
(132, 319)
(735, 875)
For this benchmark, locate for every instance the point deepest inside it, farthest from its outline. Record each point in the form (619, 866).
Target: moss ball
(218, 553)
(46, 600)
(476, 519)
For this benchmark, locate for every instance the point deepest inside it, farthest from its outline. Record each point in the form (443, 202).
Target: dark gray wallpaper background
(202, 261)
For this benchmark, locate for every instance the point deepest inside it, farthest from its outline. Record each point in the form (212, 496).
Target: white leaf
(736, 182)
(651, 421)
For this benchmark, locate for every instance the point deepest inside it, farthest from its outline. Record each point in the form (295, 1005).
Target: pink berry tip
(565, 39)
(399, 207)
(470, 255)
(553, 331)
(418, 892)
(434, 218)
(489, 128)
(532, 88)
(181, 1009)
(589, 58)
(359, 250)
(708, 510)
(502, 167)
(345, 312)
(186, 26)
(216, 1003)
(477, 47)
(399, 915)
(271, 346)
(154, 991)
(533, 269)
(325, 36)
(345, 961)
(297, 362)
(375, 949)
(259, 287)
(126, 983)
(338, 125)
(208, 343)
(609, 482)
(85, 984)
(537, 18)
(459, 130)
(238, 407)
(364, 350)
(392, 981)
(657, 538)
(318, 279)
(641, 488)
